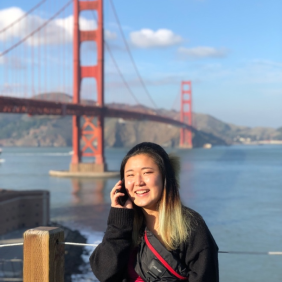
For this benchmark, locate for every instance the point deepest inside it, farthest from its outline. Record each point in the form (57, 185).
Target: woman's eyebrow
(146, 167)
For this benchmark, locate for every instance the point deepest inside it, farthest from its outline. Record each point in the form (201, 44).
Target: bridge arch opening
(88, 92)
(88, 53)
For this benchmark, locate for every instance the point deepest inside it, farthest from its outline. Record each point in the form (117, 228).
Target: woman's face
(143, 181)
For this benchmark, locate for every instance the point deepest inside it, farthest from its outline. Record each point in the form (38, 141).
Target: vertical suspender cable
(69, 60)
(61, 40)
(13, 77)
(117, 67)
(47, 86)
(44, 63)
(32, 60)
(5, 62)
(58, 53)
(64, 54)
(22, 17)
(4, 77)
(27, 74)
(58, 60)
(176, 100)
(14, 62)
(130, 55)
(54, 68)
(25, 63)
(38, 63)
(19, 66)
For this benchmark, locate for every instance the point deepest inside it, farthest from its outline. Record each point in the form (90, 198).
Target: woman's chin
(145, 205)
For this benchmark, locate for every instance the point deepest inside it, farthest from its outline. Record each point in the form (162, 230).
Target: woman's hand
(114, 197)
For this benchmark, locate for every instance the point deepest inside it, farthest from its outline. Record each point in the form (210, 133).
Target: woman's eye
(147, 172)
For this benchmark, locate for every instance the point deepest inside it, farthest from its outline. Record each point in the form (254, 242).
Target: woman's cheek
(129, 184)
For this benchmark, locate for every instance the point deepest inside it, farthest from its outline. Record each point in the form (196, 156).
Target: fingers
(115, 194)
(116, 188)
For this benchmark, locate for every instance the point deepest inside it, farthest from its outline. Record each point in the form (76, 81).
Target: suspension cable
(36, 30)
(176, 99)
(118, 69)
(116, 65)
(23, 16)
(130, 55)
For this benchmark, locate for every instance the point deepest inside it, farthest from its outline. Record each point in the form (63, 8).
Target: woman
(153, 237)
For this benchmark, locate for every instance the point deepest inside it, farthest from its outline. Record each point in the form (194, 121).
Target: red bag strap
(167, 266)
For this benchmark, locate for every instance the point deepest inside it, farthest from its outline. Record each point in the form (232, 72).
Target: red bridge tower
(186, 114)
(90, 135)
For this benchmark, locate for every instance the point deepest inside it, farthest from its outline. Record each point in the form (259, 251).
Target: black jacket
(110, 259)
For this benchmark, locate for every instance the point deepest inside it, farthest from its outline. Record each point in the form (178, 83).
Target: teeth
(141, 192)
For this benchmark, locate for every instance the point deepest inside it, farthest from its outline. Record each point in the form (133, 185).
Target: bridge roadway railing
(39, 107)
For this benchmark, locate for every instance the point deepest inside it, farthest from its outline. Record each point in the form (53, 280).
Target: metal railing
(44, 257)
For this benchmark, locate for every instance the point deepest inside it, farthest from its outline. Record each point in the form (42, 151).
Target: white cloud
(58, 31)
(147, 38)
(202, 52)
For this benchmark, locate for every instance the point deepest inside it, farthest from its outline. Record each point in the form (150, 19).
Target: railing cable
(79, 244)
(250, 253)
(11, 245)
(220, 252)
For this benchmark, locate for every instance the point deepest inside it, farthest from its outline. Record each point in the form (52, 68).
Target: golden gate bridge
(26, 39)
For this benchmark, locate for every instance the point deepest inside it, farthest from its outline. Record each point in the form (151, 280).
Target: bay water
(237, 190)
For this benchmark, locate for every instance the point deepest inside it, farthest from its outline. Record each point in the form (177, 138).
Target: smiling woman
(153, 237)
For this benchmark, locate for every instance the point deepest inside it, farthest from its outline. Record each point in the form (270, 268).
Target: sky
(230, 50)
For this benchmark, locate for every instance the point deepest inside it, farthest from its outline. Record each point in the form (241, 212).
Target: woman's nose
(139, 181)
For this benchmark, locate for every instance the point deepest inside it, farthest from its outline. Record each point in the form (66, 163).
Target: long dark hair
(173, 227)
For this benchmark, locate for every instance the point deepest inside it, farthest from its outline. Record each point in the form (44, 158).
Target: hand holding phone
(122, 199)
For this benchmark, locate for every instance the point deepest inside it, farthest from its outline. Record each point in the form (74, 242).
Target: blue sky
(230, 50)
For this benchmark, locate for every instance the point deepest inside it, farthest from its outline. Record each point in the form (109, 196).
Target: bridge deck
(39, 107)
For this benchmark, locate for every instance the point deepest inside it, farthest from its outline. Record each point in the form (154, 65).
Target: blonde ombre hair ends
(173, 224)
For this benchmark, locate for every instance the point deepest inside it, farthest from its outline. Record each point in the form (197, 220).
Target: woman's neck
(152, 222)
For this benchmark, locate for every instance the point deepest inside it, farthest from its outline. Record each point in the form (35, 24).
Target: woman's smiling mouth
(142, 192)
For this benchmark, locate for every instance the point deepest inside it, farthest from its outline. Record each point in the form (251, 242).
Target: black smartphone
(122, 199)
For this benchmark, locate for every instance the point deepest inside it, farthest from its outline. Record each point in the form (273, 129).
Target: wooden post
(43, 255)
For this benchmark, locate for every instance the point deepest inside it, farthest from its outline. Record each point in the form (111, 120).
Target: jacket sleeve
(202, 255)
(110, 258)
(204, 268)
